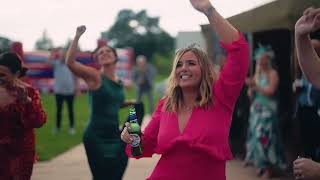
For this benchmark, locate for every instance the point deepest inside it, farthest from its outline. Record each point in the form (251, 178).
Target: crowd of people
(191, 123)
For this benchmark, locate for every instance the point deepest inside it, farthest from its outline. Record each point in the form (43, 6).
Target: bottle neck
(134, 121)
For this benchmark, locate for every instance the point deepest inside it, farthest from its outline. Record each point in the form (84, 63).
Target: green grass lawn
(50, 144)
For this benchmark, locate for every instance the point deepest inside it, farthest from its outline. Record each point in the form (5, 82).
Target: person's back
(64, 80)
(65, 87)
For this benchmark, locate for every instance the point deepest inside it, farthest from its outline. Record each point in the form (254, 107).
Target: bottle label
(136, 140)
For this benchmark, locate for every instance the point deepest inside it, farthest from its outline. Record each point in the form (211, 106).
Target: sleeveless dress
(263, 146)
(199, 152)
(102, 135)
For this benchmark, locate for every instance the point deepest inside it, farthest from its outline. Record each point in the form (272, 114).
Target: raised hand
(80, 30)
(309, 22)
(201, 5)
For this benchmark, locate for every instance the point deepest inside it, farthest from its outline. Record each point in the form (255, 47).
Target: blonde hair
(174, 92)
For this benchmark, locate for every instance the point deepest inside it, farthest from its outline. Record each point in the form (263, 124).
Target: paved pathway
(72, 165)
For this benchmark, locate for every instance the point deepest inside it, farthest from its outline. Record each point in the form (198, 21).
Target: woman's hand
(201, 5)
(250, 82)
(297, 85)
(80, 30)
(22, 95)
(125, 136)
(304, 168)
(250, 93)
(309, 22)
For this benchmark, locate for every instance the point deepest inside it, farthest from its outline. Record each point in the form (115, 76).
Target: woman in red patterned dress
(20, 112)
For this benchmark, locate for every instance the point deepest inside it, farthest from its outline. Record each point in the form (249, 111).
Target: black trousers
(310, 131)
(59, 104)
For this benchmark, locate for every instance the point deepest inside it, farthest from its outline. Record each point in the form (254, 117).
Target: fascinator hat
(261, 50)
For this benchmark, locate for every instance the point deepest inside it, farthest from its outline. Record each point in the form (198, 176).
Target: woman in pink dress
(191, 124)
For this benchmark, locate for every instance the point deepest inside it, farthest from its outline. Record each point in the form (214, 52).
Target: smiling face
(188, 71)
(192, 71)
(106, 56)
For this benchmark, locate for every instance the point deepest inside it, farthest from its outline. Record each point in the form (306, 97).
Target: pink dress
(201, 150)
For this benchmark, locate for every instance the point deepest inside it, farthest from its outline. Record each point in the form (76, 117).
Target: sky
(26, 20)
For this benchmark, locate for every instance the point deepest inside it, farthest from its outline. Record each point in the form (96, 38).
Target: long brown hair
(174, 92)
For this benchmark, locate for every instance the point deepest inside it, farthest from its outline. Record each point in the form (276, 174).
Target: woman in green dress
(106, 97)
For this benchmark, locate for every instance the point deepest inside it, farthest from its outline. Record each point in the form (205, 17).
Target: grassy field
(50, 144)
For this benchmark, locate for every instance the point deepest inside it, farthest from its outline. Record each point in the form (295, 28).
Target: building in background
(186, 38)
(271, 24)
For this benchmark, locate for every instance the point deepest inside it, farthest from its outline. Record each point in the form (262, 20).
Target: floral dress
(17, 136)
(263, 146)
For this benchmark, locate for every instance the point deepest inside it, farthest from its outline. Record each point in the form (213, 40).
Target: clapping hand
(309, 22)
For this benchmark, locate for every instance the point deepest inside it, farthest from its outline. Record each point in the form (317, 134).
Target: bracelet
(209, 11)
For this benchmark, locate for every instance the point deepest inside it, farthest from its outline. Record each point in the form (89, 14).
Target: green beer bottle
(135, 132)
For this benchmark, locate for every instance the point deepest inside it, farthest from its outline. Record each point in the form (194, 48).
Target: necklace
(187, 108)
